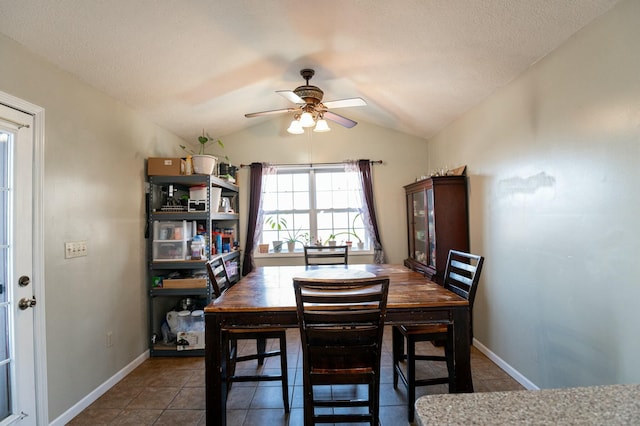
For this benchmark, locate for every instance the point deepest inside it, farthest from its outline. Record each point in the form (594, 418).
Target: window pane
(301, 182)
(285, 201)
(301, 200)
(324, 199)
(314, 203)
(285, 182)
(323, 182)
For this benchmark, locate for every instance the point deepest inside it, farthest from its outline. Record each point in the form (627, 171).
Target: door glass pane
(5, 361)
(419, 231)
(432, 228)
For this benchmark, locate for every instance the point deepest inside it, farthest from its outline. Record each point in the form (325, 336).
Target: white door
(17, 295)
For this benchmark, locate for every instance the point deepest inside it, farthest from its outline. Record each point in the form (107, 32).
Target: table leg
(215, 367)
(462, 350)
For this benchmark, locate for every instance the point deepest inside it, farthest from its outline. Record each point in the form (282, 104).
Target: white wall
(94, 190)
(554, 167)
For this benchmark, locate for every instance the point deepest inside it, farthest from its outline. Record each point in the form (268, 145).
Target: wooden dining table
(265, 297)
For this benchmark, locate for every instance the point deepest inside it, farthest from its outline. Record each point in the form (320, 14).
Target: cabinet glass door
(419, 250)
(431, 235)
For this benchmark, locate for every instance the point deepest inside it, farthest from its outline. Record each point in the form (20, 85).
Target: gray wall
(95, 149)
(554, 169)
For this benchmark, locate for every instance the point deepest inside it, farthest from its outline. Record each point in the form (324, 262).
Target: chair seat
(461, 277)
(436, 328)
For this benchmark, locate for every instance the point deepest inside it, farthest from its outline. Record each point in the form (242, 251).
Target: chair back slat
(341, 321)
(326, 255)
(218, 275)
(463, 274)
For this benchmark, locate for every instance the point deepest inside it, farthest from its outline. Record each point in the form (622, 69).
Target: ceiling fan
(310, 111)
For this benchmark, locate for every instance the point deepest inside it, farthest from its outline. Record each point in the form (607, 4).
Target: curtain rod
(15, 123)
(311, 164)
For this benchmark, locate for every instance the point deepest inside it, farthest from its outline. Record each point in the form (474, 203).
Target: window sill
(300, 253)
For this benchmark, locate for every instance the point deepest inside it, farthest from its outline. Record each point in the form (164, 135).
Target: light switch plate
(75, 249)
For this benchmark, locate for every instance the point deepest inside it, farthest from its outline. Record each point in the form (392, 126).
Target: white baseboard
(68, 415)
(506, 367)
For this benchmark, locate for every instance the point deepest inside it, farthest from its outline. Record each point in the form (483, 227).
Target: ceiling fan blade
(343, 121)
(290, 96)
(273, 111)
(342, 103)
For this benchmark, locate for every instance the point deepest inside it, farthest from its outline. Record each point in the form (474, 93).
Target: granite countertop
(593, 405)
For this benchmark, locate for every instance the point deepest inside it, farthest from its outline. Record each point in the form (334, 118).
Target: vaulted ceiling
(195, 64)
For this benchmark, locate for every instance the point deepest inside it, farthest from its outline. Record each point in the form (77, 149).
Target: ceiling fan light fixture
(295, 128)
(322, 126)
(306, 120)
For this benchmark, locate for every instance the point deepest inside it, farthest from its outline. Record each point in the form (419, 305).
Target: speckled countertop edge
(592, 405)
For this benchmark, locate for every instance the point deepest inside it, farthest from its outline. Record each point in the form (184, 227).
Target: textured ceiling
(195, 64)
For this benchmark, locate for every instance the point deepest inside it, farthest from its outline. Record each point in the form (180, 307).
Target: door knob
(26, 303)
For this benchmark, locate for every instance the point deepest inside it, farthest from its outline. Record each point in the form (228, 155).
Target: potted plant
(352, 232)
(277, 225)
(203, 164)
(295, 237)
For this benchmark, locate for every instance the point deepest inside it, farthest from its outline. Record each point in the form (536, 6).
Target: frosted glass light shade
(321, 126)
(295, 128)
(306, 120)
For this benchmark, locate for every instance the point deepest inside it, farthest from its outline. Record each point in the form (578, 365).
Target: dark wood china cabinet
(438, 221)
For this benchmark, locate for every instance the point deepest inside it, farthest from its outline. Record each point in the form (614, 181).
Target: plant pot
(349, 243)
(204, 164)
(263, 248)
(291, 246)
(277, 246)
(360, 246)
(332, 243)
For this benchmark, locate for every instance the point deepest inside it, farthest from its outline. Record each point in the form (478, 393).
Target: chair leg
(398, 351)
(284, 372)
(448, 353)
(411, 377)
(261, 347)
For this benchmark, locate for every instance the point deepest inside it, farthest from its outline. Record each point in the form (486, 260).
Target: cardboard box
(190, 340)
(185, 283)
(165, 166)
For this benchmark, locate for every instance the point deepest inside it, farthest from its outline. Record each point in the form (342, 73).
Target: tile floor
(170, 391)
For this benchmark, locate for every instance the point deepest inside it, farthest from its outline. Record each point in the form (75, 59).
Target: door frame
(39, 332)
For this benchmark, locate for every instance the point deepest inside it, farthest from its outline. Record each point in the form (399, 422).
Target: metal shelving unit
(171, 253)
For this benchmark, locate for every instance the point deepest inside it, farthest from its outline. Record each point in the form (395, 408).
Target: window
(309, 205)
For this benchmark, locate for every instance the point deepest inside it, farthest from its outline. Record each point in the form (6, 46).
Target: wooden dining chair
(220, 283)
(341, 325)
(326, 255)
(462, 275)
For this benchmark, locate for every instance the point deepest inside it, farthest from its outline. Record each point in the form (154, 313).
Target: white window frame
(313, 212)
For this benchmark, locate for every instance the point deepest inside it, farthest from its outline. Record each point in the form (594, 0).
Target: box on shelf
(198, 192)
(171, 230)
(215, 195)
(197, 206)
(185, 283)
(170, 250)
(189, 340)
(157, 166)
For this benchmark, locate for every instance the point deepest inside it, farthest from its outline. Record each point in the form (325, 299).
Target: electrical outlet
(75, 249)
(109, 339)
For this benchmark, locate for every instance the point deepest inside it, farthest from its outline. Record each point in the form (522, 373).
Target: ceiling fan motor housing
(310, 94)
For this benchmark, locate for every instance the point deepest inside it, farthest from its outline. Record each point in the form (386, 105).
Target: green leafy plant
(292, 235)
(204, 141)
(351, 231)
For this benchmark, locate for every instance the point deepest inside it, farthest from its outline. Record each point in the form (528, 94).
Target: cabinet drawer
(170, 250)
